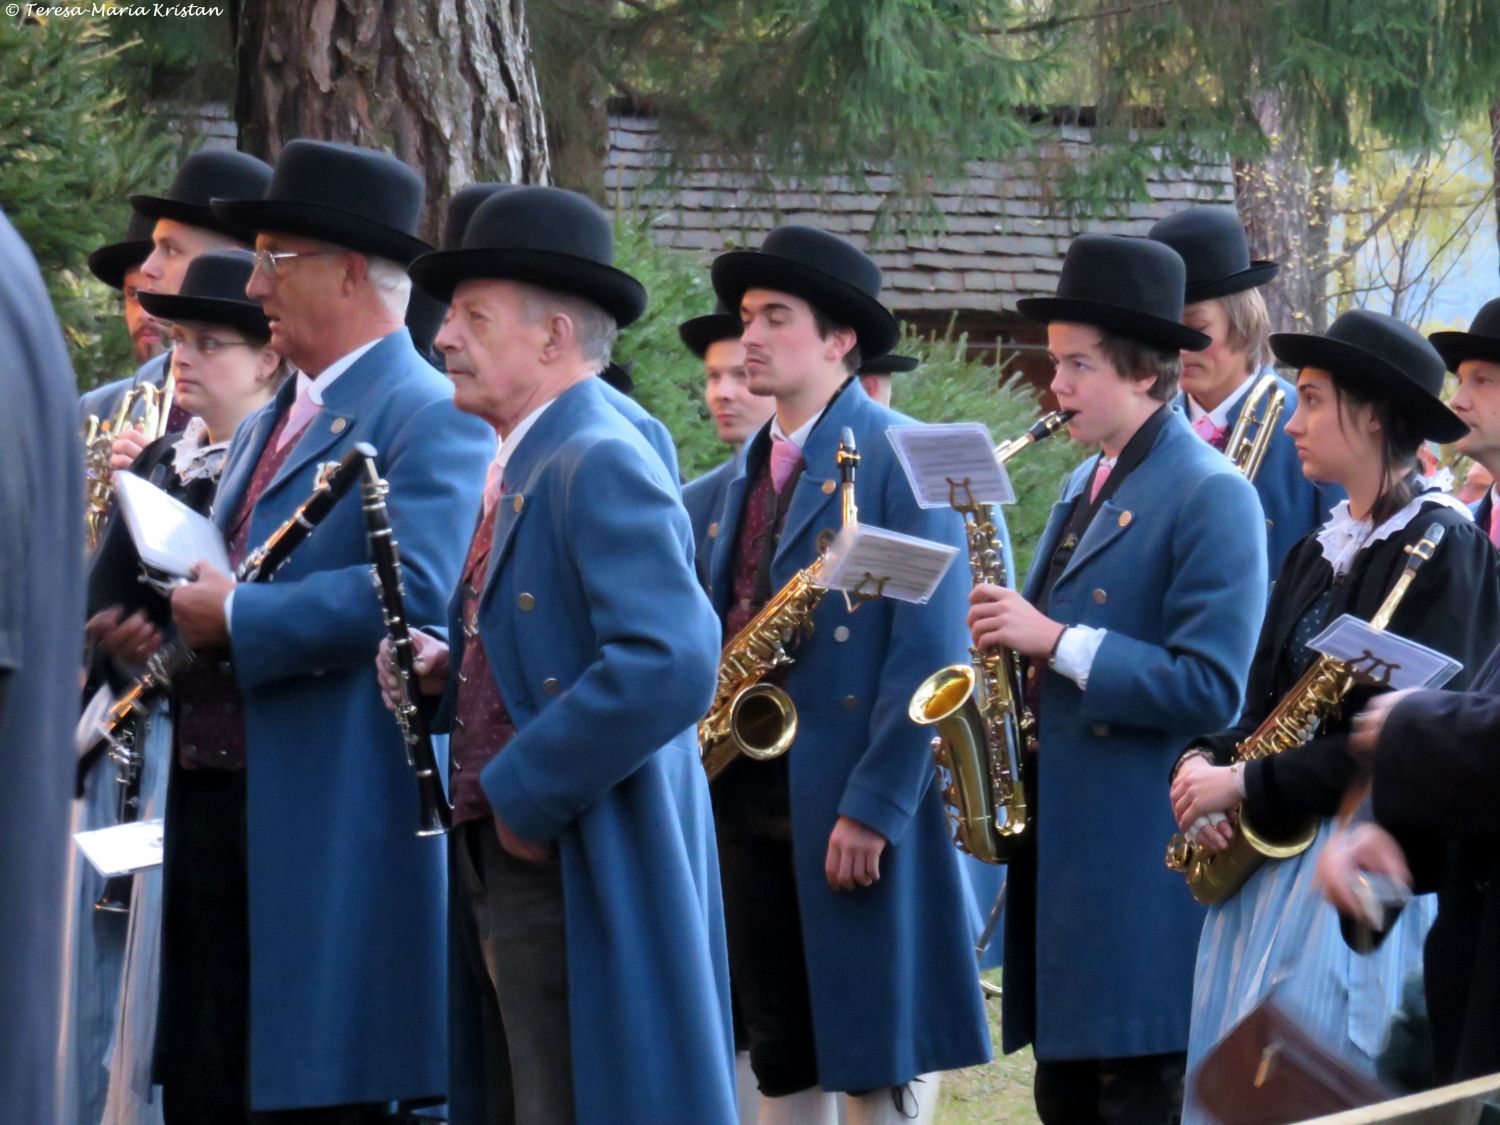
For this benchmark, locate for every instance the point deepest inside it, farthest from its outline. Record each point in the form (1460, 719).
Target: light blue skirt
(1279, 936)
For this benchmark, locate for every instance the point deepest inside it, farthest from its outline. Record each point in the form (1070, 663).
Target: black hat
(213, 292)
(889, 364)
(840, 281)
(701, 332)
(204, 176)
(619, 376)
(1211, 242)
(1380, 353)
(1481, 341)
(111, 262)
(461, 208)
(542, 236)
(359, 198)
(1130, 287)
(424, 314)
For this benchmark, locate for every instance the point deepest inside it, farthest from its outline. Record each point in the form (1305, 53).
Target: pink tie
(1204, 427)
(1495, 523)
(1101, 474)
(303, 410)
(785, 457)
(494, 483)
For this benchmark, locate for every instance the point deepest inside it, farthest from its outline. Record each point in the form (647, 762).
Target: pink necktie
(1204, 427)
(1101, 474)
(301, 414)
(785, 457)
(1495, 523)
(493, 485)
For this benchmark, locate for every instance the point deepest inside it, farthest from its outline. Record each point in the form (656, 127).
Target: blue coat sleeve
(655, 635)
(1211, 608)
(895, 770)
(331, 619)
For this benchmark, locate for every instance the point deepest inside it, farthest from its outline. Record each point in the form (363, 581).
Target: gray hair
(594, 330)
(391, 283)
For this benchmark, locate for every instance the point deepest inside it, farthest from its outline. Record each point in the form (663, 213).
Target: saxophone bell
(762, 722)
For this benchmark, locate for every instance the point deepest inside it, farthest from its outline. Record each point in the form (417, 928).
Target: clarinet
(436, 814)
(123, 721)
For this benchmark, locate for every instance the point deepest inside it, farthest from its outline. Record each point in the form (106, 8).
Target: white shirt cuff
(228, 606)
(1076, 650)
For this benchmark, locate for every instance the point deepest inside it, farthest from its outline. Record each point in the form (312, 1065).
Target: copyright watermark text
(78, 11)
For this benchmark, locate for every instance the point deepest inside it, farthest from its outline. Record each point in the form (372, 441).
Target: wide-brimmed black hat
(890, 364)
(701, 332)
(425, 313)
(359, 198)
(839, 280)
(461, 208)
(112, 261)
(541, 236)
(620, 376)
(1130, 287)
(203, 177)
(1212, 244)
(213, 292)
(1481, 341)
(1379, 352)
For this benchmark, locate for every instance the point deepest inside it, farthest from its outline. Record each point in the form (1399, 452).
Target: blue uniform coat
(604, 648)
(102, 401)
(1107, 969)
(652, 428)
(347, 905)
(704, 500)
(894, 986)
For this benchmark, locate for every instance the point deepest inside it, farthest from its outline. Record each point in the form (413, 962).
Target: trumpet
(155, 405)
(1246, 451)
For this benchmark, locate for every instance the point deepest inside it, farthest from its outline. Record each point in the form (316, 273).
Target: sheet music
(122, 849)
(875, 562)
(937, 456)
(168, 535)
(1384, 658)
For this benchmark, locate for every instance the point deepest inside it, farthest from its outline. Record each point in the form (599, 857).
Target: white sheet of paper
(123, 848)
(871, 560)
(938, 456)
(1387, 658)
(168, 535)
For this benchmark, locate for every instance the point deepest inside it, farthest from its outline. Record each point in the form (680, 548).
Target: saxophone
(1214, 877)
(1246, 452)
(155, 404)
(749, 716)
(979, 708)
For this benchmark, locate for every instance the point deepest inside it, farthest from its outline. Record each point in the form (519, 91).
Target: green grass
(997, 1094)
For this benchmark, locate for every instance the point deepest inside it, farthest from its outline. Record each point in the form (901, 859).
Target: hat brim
(1257, 275)
(111, 263)
(615, 291)
(240, 315)
(874, 325)
(1153, 330)
(324, 223)
(1300, 349)
(891, 365)
(703, 331)
(191, 214)
(1455, 347)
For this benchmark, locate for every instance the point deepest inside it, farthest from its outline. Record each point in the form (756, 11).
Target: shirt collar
(509, 444)
(797, 437)
(315, 387)
(1219, 415)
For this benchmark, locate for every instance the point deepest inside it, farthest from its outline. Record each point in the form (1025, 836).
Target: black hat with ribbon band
(203, 177)
(1481, 341)
(889, 364)
(359, 198)
(1212, 244)
(1381, 355)
(540, 236)
(213, 292)
(1129, 287)
(111, 262)
(701, 332)
(839, 280)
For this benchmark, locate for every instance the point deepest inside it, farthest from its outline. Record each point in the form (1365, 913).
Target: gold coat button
(1101, 730)
(713, 530)
(850, 703)
(828, 487)
(518, 503)
(526, 602)
(338, 425)
(1100, 597)
(551, 686)
(1125, 518)
(841, 634)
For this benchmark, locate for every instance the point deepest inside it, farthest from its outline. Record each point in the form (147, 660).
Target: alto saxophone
(99, 435)
(748, 716)
(1247, 452)
(979, 708)
(1214, 877)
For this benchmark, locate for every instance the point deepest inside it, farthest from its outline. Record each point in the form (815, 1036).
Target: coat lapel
(237, 474)
(818, 487)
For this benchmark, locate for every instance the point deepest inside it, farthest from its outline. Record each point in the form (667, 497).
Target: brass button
(841, 634)
(338, 425)
(1100, 597)
(828, 487)
(526, 602)
(551, 686)
(713, 530)
(1101, 730)
(850, 703)
(518, 503)
(1125, 518)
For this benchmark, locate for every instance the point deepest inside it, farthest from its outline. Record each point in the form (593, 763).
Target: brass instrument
(155, 405)
(978, 708)
(749, 717)
(1213, 876)
(435, 814)
(1248, 452)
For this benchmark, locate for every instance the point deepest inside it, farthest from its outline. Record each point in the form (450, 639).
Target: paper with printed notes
(169, 536)
(951, 462)
(870, 562)
(122, 849)
(1384, 659)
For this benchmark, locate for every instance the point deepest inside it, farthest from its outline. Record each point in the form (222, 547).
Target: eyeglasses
(265, 260)
(206, 346)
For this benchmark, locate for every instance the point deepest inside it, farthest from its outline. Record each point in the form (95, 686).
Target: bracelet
(1194, 752)
(1052, 653)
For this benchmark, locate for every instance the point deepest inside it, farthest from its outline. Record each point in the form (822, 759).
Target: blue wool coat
(104, 400)
(1099, 956)
(894, 986)
(704, 500)
(652, 428)
(605, 651)
(347, 905)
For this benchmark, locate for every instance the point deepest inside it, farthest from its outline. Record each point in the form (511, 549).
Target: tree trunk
(1495, 159)
(1283, 202)
(447, 85)
(565, 40)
